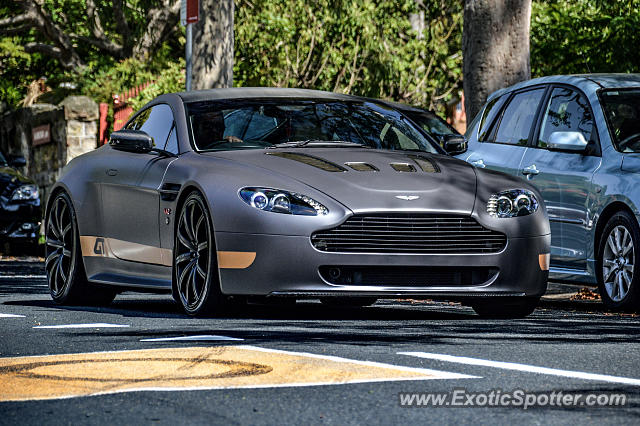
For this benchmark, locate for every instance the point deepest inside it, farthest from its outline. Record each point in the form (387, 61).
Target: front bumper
(20, 221)
(290, 266)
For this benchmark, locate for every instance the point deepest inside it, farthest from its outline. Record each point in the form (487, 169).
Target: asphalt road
(302, 364)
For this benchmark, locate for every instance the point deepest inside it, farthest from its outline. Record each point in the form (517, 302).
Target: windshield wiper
(316, 142)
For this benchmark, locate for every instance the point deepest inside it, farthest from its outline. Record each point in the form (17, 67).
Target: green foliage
(171, 79)
(583, 36)
(362, 47)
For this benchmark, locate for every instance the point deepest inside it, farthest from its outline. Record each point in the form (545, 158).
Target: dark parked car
(20, 211)
(577, 139)
(293, 194)
(435, 128)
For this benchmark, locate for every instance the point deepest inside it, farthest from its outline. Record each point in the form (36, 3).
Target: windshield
(261, 124)
(431, 123)
(622, 108)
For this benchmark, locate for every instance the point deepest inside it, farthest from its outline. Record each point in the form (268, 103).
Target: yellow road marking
(222, 367)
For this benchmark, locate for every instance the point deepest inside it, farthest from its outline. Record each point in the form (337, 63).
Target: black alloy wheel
(195, 269)
(63, 258)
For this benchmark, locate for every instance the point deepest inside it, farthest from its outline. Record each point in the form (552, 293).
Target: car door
(565, 178)
(130, 196)
(504, 133)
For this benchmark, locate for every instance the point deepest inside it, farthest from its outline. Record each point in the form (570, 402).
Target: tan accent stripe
(93, 246)
(235, 259)
(543, 261)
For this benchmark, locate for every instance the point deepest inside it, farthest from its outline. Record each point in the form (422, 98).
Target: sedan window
(515, 125)
(156, 122)
(622, 108)
(567, 111)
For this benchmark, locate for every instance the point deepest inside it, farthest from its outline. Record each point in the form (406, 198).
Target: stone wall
(74, 131)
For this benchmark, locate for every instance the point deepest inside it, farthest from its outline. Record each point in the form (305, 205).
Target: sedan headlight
(512, 203)
(277, 201)
(25, 192)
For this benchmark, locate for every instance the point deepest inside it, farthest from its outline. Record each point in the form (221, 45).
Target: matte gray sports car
(230, 193)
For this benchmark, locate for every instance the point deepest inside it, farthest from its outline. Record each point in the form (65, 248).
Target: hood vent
(403, 167)
(362, 167)
(425, 164)
(309, 160)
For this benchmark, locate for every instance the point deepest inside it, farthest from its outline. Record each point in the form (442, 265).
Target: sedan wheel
(195, 271)
(616, 262)
(63, 262)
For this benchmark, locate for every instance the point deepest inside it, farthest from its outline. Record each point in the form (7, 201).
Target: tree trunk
(213, 45)
(495, 47)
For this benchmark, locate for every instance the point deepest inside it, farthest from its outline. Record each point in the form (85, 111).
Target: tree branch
(100, 40)
(161, 22)
(121, 24)
(16, 20)
(63, 49)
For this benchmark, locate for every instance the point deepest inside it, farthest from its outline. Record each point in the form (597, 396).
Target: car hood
(10, 179)
(372, 180)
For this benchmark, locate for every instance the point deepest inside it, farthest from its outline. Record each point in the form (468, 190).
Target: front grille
(407, 276)
(409, 233)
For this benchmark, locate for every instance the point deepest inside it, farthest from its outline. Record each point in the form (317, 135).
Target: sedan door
(503, 140)
(565, 178)
(130, 192)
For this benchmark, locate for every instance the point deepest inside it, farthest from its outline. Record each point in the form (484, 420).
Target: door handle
(479, 164)
(530, 171)
(112, 172)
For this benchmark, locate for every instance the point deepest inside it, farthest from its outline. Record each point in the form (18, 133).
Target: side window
(567, 111)
(172, 142)
(489, 115)
(139, 120)
(157, 124)
(517, 118)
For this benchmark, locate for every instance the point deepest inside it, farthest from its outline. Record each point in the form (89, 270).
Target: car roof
(260, 92)
(585, 82)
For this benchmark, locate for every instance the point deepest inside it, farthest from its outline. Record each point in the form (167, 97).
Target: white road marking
(92, 325)
(22, 276)
(440, 374)
(525, 368)
(206, 337)
(11, 316)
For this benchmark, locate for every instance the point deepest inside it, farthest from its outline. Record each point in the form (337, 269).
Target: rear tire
(618, 253)
(66, 276)
(195, 269)
(346, 301)
(503, 309)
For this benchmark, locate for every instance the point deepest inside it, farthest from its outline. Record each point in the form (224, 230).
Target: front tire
(63, 258)
(509, 308)
(194, 259)
(618, 253)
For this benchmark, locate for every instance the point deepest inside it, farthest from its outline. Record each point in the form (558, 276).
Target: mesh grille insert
(409, 233)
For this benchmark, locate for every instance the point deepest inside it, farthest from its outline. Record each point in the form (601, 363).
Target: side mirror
(567, 141)
(454, 144)
(17, 161)
(131, 141)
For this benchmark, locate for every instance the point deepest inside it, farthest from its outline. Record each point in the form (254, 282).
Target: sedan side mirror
(17, 161)
(131, 141)
(454, 144)
(567, 141)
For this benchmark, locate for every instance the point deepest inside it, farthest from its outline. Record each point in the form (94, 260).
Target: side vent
(309, 160)
(425, 164)
(403, 167)
(362, 167)
(169, 191)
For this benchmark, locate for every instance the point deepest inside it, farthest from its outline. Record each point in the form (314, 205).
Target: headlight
(25, 192)
(277, 201)
(512, 203)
